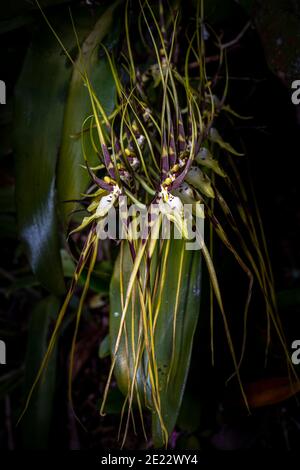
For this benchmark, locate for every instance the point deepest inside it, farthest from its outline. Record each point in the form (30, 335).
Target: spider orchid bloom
(107, 202)
(100, 208)
(171, 207)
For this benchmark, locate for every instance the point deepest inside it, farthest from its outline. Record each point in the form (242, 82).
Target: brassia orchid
(161, 148)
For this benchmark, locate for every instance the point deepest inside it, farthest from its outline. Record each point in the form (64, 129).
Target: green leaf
(68, 264)
(189, 306)
(72, 179)
(39, 106)
(37, 421)
(172, 363)
(104, 349)
(200, 181)
(39, 110)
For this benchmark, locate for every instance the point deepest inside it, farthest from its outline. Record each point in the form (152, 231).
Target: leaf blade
(172, 382)
(36, 140)
(73, 180)
(37, 422)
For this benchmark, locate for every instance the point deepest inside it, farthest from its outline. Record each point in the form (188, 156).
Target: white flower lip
(106, 202)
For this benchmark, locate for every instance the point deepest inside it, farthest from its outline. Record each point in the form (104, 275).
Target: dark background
(261, 68)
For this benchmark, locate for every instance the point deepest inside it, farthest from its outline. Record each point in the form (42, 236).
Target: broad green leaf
(172, 362)
(39, 109)
(37, 421)
(39, 105)
(187, 317)
(72, 178)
